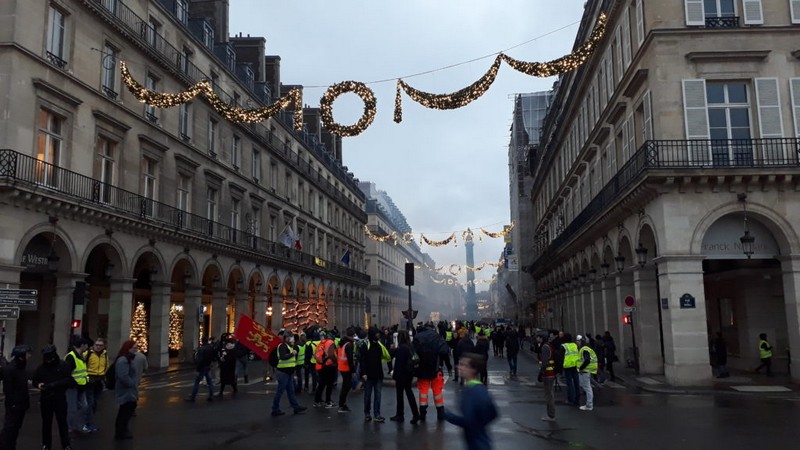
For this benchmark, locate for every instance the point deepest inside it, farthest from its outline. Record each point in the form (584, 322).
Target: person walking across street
(547, 374)
(242, 355)
(203, 358)
(403, 376)
(77, 406)
(477, 407)
(482, 348)
(301, 363)
(512, 351)
(53, 378)
(372, 356)
(346, 365)
(610, 350)
(765, 354)
(325, 354)
(587, 367)
(571, 358)
(311, 362)
(17, 399)
(126, 389)
(600, 349)
(721, 356)
(464, 346)
(433, 352)
(227, 367)
(96, 366)
(287, 359)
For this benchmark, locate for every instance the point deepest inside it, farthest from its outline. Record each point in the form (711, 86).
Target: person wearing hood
(126, 392)
(433, 352)
(372, 356)
(53, 377)
(464, 346)
(17, 401)
(482, 348)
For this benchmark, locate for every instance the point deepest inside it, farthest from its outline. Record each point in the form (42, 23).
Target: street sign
(9, 313)
(18, 293)
(18, 297)
(6, 301)
(630, 301)
(629, 309)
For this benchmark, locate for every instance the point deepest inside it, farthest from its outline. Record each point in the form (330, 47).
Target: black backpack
(273, 357)
(111, 376)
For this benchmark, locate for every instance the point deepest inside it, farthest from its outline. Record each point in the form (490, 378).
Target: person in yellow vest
(287, 357)
(77, 406)
(765, 354)
(311, 348)
(96, 366)
(587, 368)
(300, 363)
(570, 366)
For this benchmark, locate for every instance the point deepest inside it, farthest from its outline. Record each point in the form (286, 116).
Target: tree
(139, 327)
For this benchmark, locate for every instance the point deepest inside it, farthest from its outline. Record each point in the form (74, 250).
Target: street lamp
(747, 239)
(592, 275)
(582, 278)
(604, 268)
(641, 255)
(619, 262)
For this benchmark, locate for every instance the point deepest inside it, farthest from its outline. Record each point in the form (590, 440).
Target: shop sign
(721, 241)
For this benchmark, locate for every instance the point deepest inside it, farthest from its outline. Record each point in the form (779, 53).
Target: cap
(579, 338)
(20, 351)
(48, 349)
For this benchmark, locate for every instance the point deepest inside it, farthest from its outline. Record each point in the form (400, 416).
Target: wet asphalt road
(622, 419)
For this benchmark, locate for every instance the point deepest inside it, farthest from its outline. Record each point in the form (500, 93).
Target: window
(211, 208)
(287, 183)
(49, 145)
(110, 5)
(301, 195)
(214, 80)
(151, 83)
(182, 11)
(56, 34)
(184, 59)
(212, 137)
(109, 70)
(729, 118)
(719, 8)
(235, 210)
(184, 193)
(183, 121)
(152, 33)
(255, 222)
(208, 35)
(272, 220)
(236, 150)
(149, 185)
(255, 165)
(231, 55)
(105, 152)
(273, 176)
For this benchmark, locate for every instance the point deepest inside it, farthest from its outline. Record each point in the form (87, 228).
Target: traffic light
(76, 323)
(627, 319)
(413, 314)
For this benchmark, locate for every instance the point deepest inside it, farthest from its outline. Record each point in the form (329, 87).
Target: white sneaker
(586, 408)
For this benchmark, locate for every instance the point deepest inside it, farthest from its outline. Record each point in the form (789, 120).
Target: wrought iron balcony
(110, 93)
(738, 155)
(56, 61)
(22, 171)
(152, 118)
(722, 22)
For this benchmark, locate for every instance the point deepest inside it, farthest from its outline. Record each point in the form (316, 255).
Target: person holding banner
(287, 360)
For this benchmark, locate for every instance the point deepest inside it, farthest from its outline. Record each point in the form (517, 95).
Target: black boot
(423, 411)
(440, 413)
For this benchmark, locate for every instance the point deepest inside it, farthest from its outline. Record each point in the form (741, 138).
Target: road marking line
(650, 381)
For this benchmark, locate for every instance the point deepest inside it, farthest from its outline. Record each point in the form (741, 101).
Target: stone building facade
(108, 205)
(662, 158)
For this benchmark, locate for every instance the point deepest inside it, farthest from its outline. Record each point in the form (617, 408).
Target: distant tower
(472, 302)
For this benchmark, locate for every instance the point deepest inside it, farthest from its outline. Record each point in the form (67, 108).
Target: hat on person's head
(579, 338)
(49, 349)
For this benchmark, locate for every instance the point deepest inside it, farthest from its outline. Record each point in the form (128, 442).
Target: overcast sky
(446, 170)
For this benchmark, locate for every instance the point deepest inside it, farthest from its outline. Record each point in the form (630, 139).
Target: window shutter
(795, 7)
(695, 115)
(769, 107)
(639, 22)
(611, 149)
(631, 136)
(609, 74)
(647, 106)
(618, 66)
(625, 142)
(695, 13)
(794, 84)
(753, 14)
(626, 38)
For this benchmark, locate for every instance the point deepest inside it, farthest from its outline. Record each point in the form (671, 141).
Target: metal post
(410, 322)
(633, 340)
(3, 341)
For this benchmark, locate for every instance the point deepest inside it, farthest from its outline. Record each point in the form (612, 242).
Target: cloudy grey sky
(446, 170)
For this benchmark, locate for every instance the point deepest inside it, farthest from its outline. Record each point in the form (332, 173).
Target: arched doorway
(150, 315)
(214, 297)
(103, 265)
(744, 296)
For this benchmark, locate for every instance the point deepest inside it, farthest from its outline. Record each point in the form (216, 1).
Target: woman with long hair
(126, 391)
(403, 375)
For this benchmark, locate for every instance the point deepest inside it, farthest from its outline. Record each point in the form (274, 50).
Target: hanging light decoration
(333, 92)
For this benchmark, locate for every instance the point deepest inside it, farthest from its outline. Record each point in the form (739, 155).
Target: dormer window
(208, 35)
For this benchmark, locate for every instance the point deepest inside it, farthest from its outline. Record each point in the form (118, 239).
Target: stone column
(242, 302)
(63, 309)
(158, 342)
(277, 313)
(120, 310)
(648, 337)
(598, 316)
(586, 309)
(192, 314)
(9, 279)
(790, 266)
(620, 331)
(608, 293)
(260, 308)
(685, 334)
(219, 301)
(575, 299)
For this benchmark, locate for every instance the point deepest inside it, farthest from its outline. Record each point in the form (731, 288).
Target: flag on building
(346, 258)
(287, 236)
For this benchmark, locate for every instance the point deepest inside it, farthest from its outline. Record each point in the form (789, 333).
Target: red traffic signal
(627, 319)
(76, 324)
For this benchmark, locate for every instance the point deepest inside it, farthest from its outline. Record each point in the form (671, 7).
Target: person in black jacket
(18, 401)
(403, 376)
(433, 352)
(371, 369)
(227, 367)
(464, 346)
(53, 378)
(202, 361)
(346, 351)
(512, 350)
(482, 348)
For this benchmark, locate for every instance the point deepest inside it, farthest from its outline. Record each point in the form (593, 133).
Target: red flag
(256, 337)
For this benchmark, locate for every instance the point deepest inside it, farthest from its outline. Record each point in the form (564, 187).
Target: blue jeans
(512, 364)
(285, 384)
(573, 385)
(371, 386)
(77, 407)
(203, 373)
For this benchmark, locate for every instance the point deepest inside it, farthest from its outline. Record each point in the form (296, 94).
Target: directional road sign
(629, 309)
(18, 297)
(11, 312)
(18, 293)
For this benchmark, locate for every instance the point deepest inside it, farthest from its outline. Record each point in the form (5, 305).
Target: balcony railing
(722, 22)
(734, 154)
(56, 60)
(19, 169)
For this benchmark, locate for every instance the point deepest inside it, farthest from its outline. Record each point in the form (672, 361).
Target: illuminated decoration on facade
(175, 327)
(139, 327)
(333, 92)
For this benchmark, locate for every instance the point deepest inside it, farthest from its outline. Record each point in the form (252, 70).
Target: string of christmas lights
(453, 100)
(466, 236)
(175, 327)
(452, 238)
(452, 282)
(506, 231)
(456, 269)
(139, 329)
(293, 99)
(333, 92)
(566, 63)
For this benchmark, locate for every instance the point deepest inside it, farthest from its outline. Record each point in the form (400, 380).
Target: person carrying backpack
(432, 351)
(202, 361)
(325, 355)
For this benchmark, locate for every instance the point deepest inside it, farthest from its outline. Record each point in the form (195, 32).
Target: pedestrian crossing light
(76, 324)
(627, 319)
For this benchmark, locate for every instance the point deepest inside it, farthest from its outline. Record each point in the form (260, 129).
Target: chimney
(272, 74)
